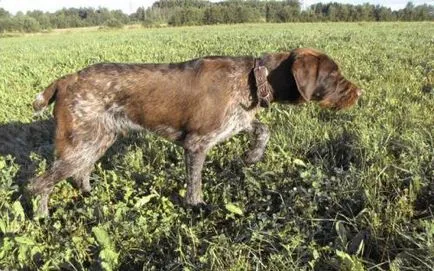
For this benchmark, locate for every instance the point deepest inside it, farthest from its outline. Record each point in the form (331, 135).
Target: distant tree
(6, 25)
(170, 4)
(196, 12)
(279, 12)
(213, 15)
(139, 15)
(187, 16)
(113, 23)
(424, 12)
(42, 18)
(383, 14)
(248, 15)
(23, 24)
(367, 11)
(408, 11)
(120, 16)
(4, 13)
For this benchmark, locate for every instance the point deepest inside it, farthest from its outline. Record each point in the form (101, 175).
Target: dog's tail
(48, 96)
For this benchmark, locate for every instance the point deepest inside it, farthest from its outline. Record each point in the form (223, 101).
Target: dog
(196, 104)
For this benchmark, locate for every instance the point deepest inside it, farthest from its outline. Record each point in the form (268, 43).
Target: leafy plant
(349, 190)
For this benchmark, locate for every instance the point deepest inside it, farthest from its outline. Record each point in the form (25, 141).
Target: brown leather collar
(263, 87)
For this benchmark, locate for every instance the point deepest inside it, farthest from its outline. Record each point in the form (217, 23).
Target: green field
(350, 190)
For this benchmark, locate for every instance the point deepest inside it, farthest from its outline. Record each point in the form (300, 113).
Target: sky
(130, 6)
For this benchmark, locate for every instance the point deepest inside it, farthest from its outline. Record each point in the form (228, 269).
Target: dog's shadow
(21, 141)
(30, 143)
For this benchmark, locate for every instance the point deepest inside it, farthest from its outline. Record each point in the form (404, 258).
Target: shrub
(113, 23)
(28, 24)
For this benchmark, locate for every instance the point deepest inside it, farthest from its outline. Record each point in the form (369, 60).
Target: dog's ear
(309, 71)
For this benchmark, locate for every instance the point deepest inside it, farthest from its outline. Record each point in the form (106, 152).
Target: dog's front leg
(194, 162)
(259, 139)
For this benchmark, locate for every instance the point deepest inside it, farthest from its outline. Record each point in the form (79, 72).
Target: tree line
(203, 12)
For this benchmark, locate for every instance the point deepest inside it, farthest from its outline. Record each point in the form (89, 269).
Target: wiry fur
(195, 104)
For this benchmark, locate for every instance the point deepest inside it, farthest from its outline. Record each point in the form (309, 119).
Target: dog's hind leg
(75, 159)
(44, 184)
(99, 146)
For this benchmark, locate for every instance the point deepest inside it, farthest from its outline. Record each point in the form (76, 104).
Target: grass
(351, 190)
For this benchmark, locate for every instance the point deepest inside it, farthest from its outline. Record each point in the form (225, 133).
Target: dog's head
(318, 78)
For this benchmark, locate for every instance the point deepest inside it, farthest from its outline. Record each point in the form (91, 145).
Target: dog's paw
(83, 184)
(194, 201)
(202, 208)
(85, 188)
(253, 156)
(198, 206)
(42, 209)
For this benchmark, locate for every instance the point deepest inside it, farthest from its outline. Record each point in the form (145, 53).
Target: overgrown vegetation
(349, 190)
(203, 12)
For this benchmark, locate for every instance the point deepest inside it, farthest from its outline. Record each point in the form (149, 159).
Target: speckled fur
(195, 104)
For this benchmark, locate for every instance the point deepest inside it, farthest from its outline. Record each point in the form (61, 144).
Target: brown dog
(196, 104)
